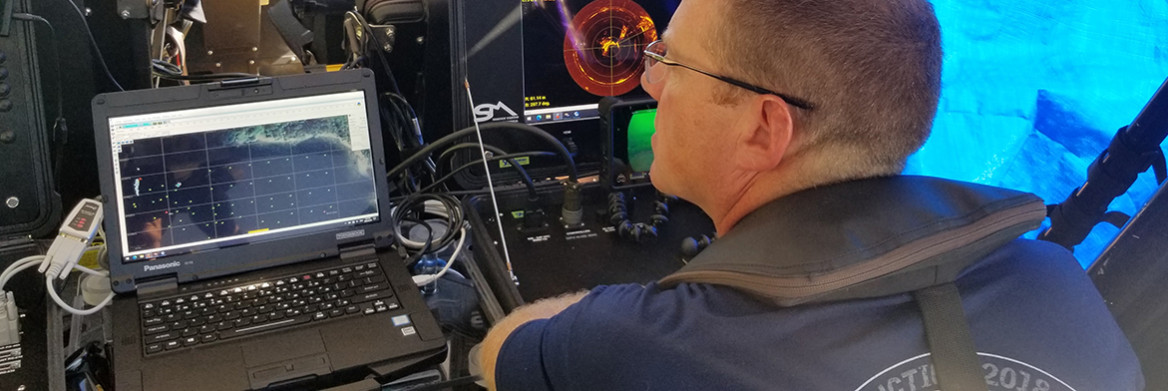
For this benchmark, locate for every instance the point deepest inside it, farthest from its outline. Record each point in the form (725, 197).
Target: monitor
(576, 52)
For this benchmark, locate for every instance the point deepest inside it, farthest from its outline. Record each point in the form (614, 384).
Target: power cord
(72, 242)
(171, 71)
(443, 160)
(511, 157)
(93, 43)
(415, 207)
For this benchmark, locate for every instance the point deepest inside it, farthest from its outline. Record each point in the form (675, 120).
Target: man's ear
(767, 135)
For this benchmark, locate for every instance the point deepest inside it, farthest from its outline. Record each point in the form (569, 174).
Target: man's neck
(748, 194)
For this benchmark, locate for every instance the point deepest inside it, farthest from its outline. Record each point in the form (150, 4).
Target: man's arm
(493, 343)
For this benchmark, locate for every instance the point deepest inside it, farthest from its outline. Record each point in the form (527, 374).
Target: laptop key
(156, 329)
(372, 287)
(152, 321)
(361, 298)
(157, 338)
(154, 348)
(264, 327)
(208, 338)
(172, 345)
(189, 341)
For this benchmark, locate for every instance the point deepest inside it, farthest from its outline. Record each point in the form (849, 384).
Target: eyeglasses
(655, 54)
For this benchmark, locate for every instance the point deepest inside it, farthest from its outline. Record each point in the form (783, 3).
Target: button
(3, 56)
(161, 338)
(155, 348)
(5, 105)
(172, 345)
(157, 329)
(5, 89)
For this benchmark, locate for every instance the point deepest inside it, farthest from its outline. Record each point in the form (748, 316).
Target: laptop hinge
(359, 251)
(158, 285)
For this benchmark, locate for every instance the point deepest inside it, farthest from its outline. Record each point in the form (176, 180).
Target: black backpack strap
(955, 361)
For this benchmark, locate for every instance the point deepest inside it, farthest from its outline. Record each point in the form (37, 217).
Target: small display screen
(640, 139)
(576, 52)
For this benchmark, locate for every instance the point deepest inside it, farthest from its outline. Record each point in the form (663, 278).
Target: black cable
(425, 245)
(379, 48)
(413, 116)
(479, 162)
(415, 205)
(170, 71)
(498, 189)
(540, 133)
(448, 154)
(93, 42)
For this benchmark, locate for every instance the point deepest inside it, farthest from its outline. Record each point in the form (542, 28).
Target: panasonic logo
(151, 268)
(350, 234)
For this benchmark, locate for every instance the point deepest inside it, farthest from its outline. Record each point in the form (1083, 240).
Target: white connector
(9, 320)
(74, 238)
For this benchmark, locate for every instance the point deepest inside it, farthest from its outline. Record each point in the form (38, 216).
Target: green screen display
(640, 136)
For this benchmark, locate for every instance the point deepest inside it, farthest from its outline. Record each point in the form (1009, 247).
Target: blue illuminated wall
(1034, 90)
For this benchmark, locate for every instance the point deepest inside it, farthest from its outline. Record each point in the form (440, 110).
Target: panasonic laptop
(246, 223)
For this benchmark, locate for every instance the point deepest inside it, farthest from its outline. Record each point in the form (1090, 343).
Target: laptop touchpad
(282, 347)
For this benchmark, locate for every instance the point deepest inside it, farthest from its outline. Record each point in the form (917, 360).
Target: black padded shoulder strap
(954, 355)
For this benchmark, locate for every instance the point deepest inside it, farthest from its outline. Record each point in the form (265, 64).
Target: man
(787, 122)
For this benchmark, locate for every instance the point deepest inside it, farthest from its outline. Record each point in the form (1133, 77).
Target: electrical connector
(73, 240)
(572, 214)
(9, 320)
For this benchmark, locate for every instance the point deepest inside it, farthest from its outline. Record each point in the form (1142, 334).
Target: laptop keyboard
(225, 313)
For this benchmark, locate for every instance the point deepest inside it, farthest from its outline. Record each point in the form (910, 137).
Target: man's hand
(541, 309)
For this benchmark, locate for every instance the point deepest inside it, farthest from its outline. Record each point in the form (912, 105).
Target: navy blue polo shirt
(1037, 321)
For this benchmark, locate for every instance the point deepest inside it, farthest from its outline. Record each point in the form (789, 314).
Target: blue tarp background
(1034, 91)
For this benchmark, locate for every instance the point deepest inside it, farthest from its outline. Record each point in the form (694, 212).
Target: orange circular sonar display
(602, 48)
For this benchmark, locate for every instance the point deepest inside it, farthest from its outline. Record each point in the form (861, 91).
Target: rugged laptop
(247, 223)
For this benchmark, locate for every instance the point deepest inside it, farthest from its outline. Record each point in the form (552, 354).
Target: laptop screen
(203, 179)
